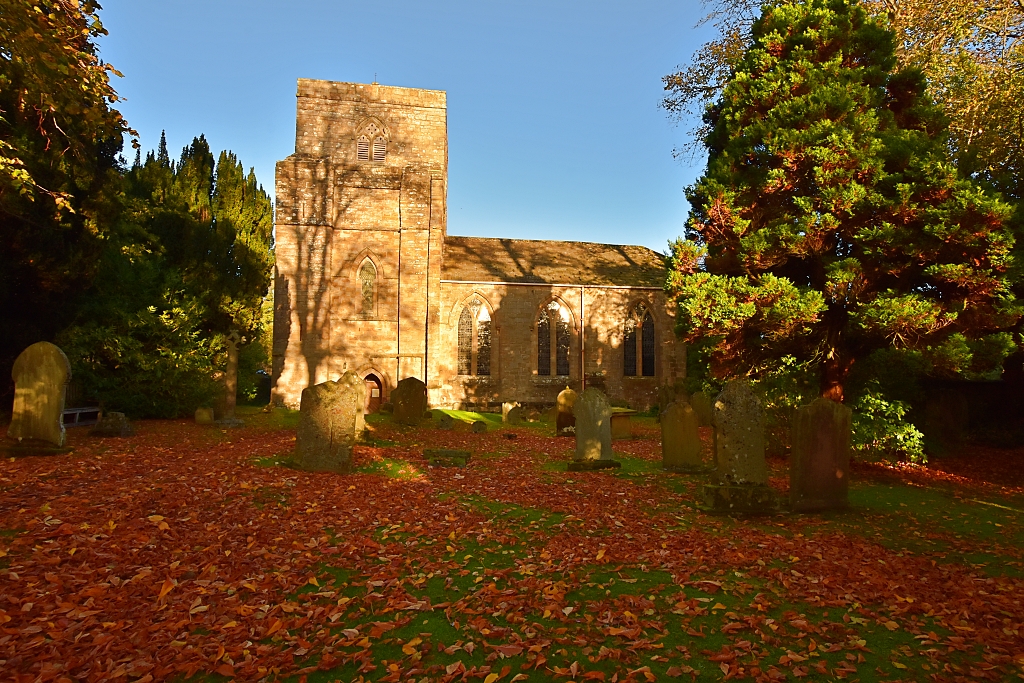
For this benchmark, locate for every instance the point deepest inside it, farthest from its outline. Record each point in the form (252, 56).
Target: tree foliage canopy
(972, 54)
(830, 221)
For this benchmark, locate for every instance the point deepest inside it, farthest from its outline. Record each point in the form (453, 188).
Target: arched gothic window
(475, 339)
(553, 339)
(368, 286)
(638, 344)
(378, 151)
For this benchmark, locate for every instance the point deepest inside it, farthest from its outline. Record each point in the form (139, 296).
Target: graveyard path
(189, 549)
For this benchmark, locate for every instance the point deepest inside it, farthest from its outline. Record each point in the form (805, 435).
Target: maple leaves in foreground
(180, 552)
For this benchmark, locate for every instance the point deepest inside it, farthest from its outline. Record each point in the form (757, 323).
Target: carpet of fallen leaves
(190, 551)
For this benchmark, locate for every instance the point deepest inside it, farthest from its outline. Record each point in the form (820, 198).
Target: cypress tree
(830, 222)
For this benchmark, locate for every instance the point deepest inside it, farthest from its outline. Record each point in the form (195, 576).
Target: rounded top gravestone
(410, 401)
(330, 423)
(41, 374)
(593, 426)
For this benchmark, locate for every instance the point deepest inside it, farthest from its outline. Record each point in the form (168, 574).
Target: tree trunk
(834, 372)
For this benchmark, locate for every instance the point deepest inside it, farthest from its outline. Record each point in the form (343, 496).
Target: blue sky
(553, 120)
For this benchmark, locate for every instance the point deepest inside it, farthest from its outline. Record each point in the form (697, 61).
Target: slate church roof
(489, 259)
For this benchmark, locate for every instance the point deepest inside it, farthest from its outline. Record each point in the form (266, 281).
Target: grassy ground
(195, 551)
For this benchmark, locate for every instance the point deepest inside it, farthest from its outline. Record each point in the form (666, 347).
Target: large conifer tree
(830, 222)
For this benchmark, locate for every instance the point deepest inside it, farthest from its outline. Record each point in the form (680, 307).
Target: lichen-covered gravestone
(204, 416)
(409, 399)
(330, 424)
(41, 375)
(702, 407)
(565, 420)
(593, 432)
(680, 440)
(741, 473)
(820, 457)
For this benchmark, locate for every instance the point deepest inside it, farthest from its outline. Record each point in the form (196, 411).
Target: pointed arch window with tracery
(368, 287)
(638, 344)
(475, 339)
(553, 340)
(371, 145)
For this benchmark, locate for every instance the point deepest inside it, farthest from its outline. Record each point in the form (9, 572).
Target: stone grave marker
(41, 374)
(669, 394)
(444, 420)
(702, 407)
(447, 457)
(113, 425)
(409, 400)
(741, 473)
(565, 419)
(511, 413)
(593, 432)
(330, 423)
(204, 416)
(819, 473)
(680, 440)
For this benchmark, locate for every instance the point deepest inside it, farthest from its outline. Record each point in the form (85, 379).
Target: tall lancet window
(638, 344)
(475, 339)
(368, 287)
(553, 339)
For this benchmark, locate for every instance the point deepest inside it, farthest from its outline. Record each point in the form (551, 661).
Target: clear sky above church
(553, 120)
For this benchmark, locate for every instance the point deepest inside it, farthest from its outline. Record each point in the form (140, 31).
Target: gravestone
(204, 416)
(330, 423)
(513, 409)
(444, 420)
(741, 473)
(669, 394)
(593, 432)
(113, 425)
(680, 440)
(41, 375)
(565, 420)
(819, 473)
(702, 407)
(409, 400)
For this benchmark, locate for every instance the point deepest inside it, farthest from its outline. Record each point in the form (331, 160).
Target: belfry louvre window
(363, 148)
(638, 344)
(380, 149)
(475, 339)
(553, 339)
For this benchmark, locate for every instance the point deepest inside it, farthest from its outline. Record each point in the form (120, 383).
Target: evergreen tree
(830, 222)
(162, 157)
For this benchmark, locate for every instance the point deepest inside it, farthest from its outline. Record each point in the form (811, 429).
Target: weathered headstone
(565, 420)
(511, 413)
(819, 473)
(680, 440)
(444, 420)
(113, 425)
(409, 399)
(702, 407)
(41, 374)
(622, 423)
(593, 432)
(741, 473)
(204, 416)
(330, 423)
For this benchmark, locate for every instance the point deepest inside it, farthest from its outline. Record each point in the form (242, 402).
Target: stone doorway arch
(374, 393)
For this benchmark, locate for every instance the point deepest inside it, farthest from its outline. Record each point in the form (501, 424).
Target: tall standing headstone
(409, 399)
(593, 432)
(741, 473)
(820, 457)
(680, 440)
(330, 423)
(41, 375)
(702, 407)
(511, 413)
(565, 420)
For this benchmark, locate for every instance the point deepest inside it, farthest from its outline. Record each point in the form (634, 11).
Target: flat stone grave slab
(590, 465)
(447, 457)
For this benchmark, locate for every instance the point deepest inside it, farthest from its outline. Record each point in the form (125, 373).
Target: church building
(368, 279)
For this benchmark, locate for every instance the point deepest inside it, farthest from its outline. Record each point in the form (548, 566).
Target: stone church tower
(368, 280)
(360, 227)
